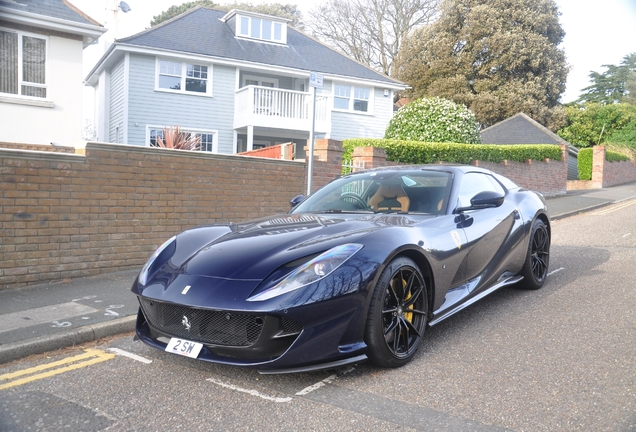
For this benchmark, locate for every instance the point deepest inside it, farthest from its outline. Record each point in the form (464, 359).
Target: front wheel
(535, 269)
(397, 314)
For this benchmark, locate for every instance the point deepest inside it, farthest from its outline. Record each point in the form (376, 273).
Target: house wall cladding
(68, 215)
(159, 108)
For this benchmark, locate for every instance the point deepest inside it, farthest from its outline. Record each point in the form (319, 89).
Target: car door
(489, 231)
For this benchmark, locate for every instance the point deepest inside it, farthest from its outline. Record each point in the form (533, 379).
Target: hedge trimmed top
(413, 152)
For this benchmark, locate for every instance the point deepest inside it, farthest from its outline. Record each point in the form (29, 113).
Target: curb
(18, 350)
(581, 210)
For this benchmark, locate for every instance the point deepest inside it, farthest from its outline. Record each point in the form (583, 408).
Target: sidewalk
(46, 317)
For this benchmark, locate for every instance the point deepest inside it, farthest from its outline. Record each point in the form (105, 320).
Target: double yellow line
(90, 357)
(615, 207)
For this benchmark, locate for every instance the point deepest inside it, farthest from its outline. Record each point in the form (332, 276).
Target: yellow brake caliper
(408, 315)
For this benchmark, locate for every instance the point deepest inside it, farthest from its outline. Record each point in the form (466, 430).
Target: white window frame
(47, 78)
(352, 98)
(246, 31)
(196, 131)
(260, 80)
(183, 77)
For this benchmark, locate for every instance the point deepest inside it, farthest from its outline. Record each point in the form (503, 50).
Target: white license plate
(184, 347)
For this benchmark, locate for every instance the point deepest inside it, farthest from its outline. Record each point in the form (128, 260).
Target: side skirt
(508, 281)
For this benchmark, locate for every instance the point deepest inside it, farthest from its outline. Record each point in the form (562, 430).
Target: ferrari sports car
(354, 272)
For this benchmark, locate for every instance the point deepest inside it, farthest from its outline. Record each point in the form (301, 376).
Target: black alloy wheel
(535, 269)
(397, 315)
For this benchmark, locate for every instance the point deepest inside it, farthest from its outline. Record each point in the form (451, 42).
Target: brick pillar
(369, 157)
(327, 162)
(598, 163)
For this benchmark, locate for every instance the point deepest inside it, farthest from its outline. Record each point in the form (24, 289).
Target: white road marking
(250, 392)
(316, 386)
(47, 314)
(130, 355)
(555, 271)
(627, 235)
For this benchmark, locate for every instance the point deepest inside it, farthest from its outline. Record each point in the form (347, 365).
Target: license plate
(184, 347)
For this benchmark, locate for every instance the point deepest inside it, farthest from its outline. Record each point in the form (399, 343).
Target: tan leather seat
(390, 198)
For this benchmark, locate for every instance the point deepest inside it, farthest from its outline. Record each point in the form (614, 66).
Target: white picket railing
(254, 103)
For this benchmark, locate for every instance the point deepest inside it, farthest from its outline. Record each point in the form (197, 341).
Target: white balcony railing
(278, 108)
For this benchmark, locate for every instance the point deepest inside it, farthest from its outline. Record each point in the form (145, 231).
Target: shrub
(434, 120)
(411, 152)
(586, 160)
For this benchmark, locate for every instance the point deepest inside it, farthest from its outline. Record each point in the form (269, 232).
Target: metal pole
(310, 162)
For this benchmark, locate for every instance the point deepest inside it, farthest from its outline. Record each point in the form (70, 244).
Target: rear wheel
(535, 269)
(397, 314)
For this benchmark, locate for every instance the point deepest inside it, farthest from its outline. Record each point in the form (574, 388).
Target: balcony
(278, 108)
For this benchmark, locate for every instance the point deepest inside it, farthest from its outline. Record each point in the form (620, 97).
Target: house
(240, 80)
(41, 43)
(522, 129)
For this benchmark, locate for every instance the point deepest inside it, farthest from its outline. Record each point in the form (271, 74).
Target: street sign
(315, 80)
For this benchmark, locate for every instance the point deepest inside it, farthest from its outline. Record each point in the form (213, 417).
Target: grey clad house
(522, 129)
(238, 79)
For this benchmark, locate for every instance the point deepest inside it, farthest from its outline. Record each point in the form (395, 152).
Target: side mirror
(485, 199)
(296, 200)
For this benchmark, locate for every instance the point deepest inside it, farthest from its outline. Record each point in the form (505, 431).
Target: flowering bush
(434, 120)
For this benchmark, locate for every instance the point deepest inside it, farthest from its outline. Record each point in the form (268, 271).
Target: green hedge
(586, 160)
(415, 152)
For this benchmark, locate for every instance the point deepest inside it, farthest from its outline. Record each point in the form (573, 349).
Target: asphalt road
(561, 358)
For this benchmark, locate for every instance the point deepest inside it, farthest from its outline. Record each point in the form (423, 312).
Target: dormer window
(258, 26)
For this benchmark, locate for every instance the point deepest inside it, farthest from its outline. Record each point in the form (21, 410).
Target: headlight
(313, 271)
(145, 270)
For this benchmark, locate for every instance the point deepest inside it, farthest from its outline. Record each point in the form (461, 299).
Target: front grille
(206, 326)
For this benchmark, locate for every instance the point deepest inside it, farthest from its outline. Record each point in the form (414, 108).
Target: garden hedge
(586, 160)
(415, 152)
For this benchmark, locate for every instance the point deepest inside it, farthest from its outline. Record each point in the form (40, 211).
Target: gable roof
(200, 31)
(520, 129)
(58, 15)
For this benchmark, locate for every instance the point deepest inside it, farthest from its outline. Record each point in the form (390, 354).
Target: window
(183, 77)
(351, 98)
(261, 28)
(473, 183)
(23, 65)
(208, 138)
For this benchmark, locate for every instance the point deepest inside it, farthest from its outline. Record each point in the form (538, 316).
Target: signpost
(315, 81)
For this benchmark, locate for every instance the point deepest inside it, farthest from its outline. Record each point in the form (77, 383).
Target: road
(561, 358)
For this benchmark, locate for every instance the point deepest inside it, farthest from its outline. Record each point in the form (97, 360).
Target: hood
(252, 250)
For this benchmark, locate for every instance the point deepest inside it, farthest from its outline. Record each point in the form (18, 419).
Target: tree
(370, 31)
(497, 57)
(289, 11)
(434, 120)
(593, 123)
(610, 86)
(630, 86)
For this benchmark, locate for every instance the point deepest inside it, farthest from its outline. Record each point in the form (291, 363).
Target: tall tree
(497, 57)
(370, 31)
(289, 11)
(610, 86)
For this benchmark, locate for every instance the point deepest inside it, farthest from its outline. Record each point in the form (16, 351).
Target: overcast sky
(598, 32)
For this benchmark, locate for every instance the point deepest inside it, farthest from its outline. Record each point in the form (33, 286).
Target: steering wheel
(357, 198)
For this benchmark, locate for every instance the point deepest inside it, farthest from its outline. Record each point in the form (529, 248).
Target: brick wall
(604, 173)
(67, 215)
(37, 147)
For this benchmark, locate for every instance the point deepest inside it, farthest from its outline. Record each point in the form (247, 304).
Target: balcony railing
(278, 108)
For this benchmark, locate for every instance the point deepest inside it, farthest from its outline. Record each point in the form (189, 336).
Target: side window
(473, 183)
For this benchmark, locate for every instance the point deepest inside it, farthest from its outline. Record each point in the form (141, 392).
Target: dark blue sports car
(356, 271)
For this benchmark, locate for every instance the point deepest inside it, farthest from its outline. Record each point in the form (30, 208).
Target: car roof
(432, 167)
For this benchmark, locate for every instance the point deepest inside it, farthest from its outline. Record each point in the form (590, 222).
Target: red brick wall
(37, 147)
(604, 173)
(67, 215)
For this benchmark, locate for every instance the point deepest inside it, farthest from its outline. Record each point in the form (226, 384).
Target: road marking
(250, 392)
(90, 357)
(316, 386)
(614, 208)
(48, 314)
(555, 271)
(130, 355)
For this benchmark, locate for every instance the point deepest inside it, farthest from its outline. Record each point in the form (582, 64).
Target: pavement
(46, 317)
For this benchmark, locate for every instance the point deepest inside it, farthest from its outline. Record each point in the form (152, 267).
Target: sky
(598, 32)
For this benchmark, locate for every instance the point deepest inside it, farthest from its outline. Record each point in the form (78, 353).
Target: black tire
(535, 269)
(397, 314)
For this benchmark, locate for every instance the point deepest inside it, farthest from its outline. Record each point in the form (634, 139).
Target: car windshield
(417, 191)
